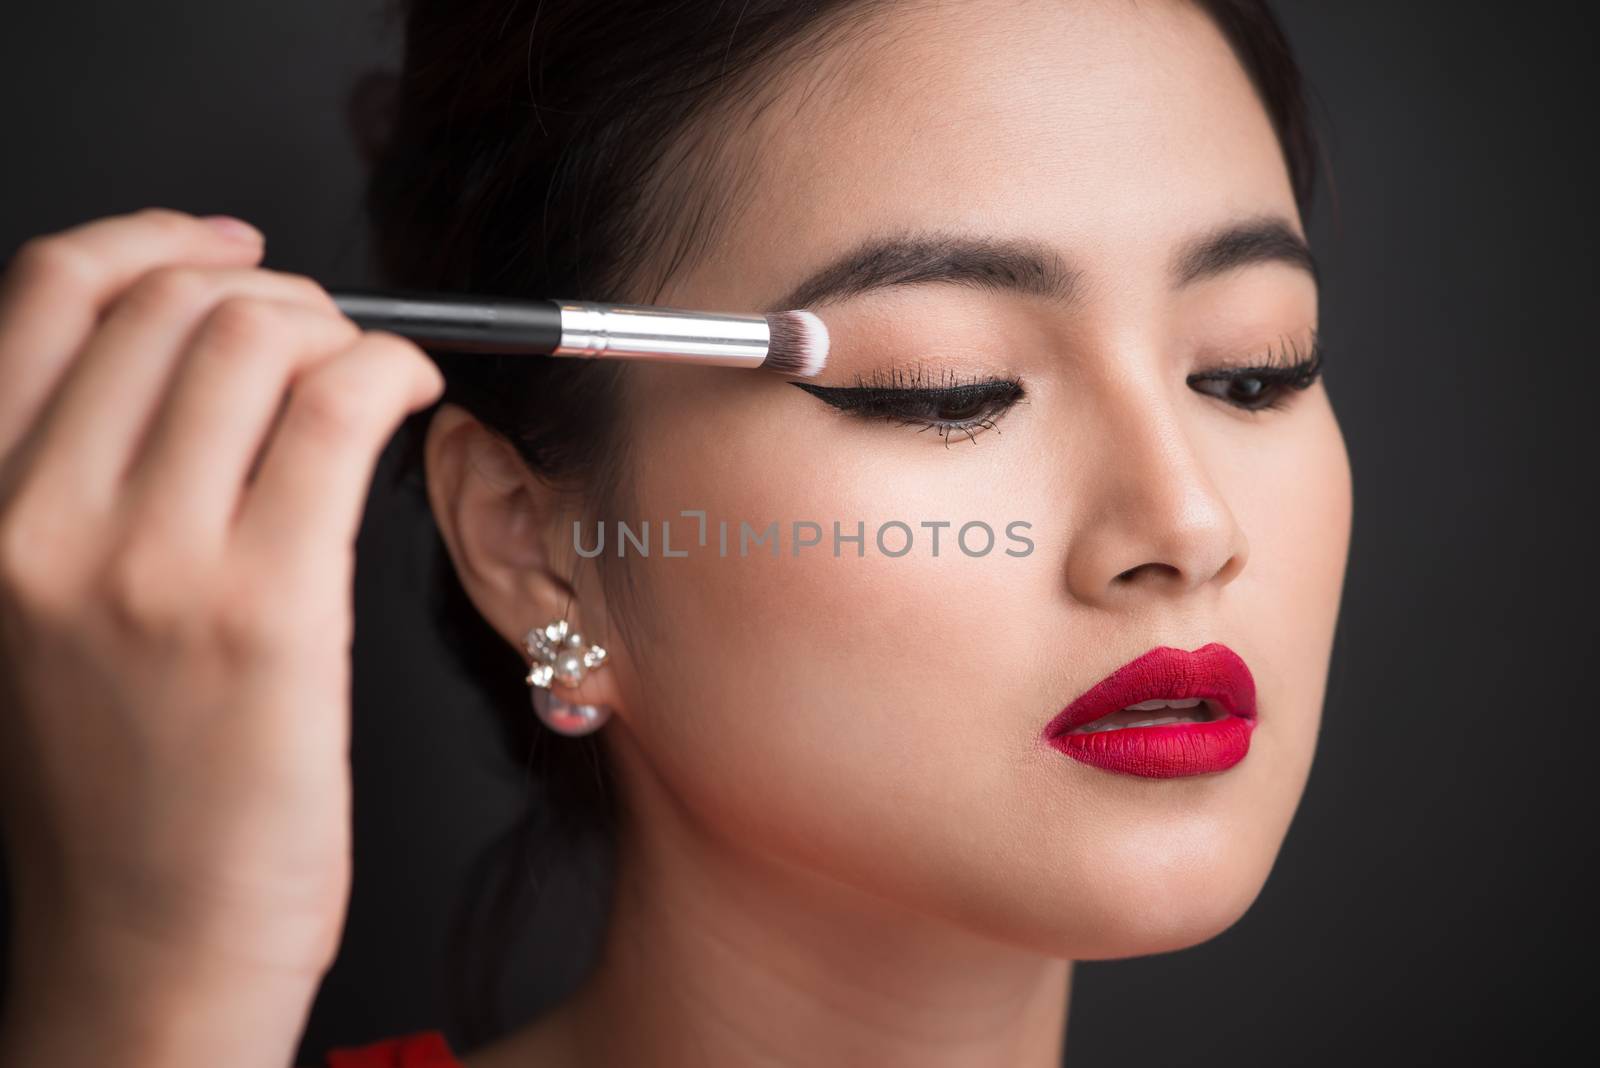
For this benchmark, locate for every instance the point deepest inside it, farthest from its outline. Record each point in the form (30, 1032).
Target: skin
(843, 839)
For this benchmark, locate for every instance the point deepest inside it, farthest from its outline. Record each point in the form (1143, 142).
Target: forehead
(1113, 129)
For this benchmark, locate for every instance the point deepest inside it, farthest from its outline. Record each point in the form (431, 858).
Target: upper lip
(1212, 671)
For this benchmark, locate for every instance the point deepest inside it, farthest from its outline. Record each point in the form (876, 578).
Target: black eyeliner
(899, 386)
(955, 407)
(858, 398)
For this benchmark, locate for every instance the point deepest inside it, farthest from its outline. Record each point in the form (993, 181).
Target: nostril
(1128, 575)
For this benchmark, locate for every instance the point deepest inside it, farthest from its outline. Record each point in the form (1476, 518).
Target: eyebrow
(1269, 239)
(1031, 267)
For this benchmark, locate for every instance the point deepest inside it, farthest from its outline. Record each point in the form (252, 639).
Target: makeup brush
(791, 343)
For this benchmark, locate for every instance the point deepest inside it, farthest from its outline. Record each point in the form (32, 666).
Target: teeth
(1189, 710)
(1151, 706)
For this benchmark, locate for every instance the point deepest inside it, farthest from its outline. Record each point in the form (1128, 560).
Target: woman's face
(878, 718)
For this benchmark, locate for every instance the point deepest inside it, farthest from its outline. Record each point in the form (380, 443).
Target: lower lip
(1169, 751)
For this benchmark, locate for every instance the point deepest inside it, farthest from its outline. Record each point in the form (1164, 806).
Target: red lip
(1213, 671)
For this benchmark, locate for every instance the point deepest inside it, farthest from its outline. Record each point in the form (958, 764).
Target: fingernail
(234, 229)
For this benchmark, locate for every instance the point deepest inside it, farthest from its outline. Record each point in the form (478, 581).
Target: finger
(92, 429)
(309, 495)
(58, 285)
(228, 391)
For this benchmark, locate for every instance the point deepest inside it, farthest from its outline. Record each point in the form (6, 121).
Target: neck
(718, 955)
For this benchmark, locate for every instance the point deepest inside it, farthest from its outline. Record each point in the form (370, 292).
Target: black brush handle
(461, 324)
(449, 321)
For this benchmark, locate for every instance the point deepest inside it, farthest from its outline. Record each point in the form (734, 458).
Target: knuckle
(306, 290)
(403, 351)
(54, 257)
(27, 560)
(166, 220)
(341, 330)
(321, 408)
(244, 323)
(18, 548)
(393, 346)
(141, 589)
(250, 618)
(168, 289)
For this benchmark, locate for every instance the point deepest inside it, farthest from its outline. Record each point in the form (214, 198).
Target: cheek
(1295, 502)
(847, 709)
(833, 616)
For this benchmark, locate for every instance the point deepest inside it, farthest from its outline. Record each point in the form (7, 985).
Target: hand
(186, 444)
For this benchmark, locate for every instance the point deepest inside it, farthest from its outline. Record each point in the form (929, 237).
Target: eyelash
(1276, 374)
(901, 397)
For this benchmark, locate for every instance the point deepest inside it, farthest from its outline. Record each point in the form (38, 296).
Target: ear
(509, 535)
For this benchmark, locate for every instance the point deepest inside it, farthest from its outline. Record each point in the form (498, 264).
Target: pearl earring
(562, 655)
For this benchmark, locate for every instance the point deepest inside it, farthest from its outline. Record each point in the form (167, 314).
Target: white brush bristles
(798, 344)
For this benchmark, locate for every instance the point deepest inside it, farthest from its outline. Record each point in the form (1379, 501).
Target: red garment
(423, 1049)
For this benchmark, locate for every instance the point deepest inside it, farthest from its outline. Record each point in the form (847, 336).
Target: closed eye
(965, 408)
(1265, 385)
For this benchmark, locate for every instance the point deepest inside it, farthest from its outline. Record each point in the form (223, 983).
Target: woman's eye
(1249, 391)
(963, 409)
(950, 411)
(1261, 388)
(960, 409)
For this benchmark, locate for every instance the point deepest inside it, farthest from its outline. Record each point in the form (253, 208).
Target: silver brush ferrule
(629, 331)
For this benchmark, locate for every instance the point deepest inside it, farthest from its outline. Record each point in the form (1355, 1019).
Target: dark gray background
(1427, 901)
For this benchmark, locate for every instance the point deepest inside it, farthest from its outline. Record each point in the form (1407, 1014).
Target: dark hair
(527, 149)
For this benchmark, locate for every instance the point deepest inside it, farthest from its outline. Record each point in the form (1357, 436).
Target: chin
(1162, 929)
(1160, 909)
(1138, 892)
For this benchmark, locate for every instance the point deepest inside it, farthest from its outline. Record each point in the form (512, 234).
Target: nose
(1152, 521)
